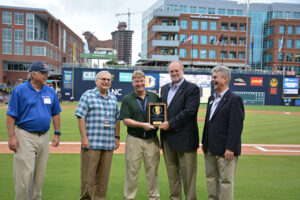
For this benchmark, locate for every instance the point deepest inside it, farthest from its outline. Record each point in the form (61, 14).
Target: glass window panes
(233, 27)
(290, 29)
(242, 27)
(242, 41)
(183, 37)
(224, 26)
(203, 54)
(6, 41)
(224, 54)
(297, 57)
(281, 43)
(183, 24)
(289, 57)
(212, 54)
(281, 29)
(27, 51)
(297, 44)
(298, 30)
(193, 9)
(211, 11)
(6, 17)
(221, 11)
(202, 10)
(19, 18)
(212, 39)
(204, 25)
(270, 44)
(241, 55)
(195, 39)
(164, 37)
(271, 30)
(194, 53)
(213, 26)
(230, 12)
(19, 37)
(183, 9)
(232, 55)
(296, 15)
(232, 40)
(280, 57)
(203, 39)
(239, 12)
(165, 22)
(195, 25)
(183, 53)
(289, 44)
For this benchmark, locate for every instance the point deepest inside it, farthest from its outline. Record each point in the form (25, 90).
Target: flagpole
(192, 50)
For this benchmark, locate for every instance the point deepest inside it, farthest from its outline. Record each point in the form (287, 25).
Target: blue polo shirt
(33, 110)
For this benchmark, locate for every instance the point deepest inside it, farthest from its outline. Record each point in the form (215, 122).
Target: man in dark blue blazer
(221, 138)
(179, 135)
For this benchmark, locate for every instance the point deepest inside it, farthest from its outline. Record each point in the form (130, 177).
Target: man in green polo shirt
(141, 141)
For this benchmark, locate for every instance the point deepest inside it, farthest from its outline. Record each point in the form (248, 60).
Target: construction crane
(128, 15)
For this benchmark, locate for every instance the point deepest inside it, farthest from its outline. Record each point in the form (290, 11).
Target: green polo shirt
(130, 109)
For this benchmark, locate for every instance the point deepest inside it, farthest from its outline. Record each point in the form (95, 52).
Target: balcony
(165, 43)
(163, 13)
(166, 29)
(165, 57)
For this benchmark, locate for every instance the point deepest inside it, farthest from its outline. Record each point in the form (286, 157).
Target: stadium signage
(291, 83)
(88, 76)
(203, 17)
(256, 81)
(273, 82)
(240, 81)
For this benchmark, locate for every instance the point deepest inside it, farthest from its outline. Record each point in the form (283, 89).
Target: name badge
(106, 123)
(47, 100)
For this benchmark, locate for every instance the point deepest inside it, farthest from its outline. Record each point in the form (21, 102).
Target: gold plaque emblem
(157, 110)
(273, 82)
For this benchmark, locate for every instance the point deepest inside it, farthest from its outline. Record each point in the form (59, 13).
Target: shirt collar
(177, 85)
(99, 95)
(32, 88)
(221, 94)
(136, 96)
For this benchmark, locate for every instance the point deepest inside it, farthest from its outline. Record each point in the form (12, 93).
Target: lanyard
(145, 105)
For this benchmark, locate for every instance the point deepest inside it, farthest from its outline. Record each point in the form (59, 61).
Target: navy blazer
(225, 128)
(182, 117)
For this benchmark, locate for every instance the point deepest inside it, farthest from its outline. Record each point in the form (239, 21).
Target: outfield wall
(255, 89)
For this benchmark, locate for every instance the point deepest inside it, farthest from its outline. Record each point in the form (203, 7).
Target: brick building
(30, 34)
(283, 44)
(193, 39)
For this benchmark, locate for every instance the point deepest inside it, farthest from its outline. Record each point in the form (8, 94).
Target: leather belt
(143, 135)
(34, 132)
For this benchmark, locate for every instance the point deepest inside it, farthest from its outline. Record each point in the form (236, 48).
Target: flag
(251, 44)
(220, 38)
(281, 45)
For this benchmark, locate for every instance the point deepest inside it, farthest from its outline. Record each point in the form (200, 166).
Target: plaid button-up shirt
(97, 110)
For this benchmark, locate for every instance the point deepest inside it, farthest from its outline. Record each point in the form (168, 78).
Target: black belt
(143, 135)
(34, 132)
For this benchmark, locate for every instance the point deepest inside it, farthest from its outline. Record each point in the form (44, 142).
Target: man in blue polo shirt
(31, 107)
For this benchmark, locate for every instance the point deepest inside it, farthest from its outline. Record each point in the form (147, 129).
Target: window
(27, 50)
(6, 41)
(297, 57)
(195, 25)
(232, 55)
(213, 26)
(183, 53)
(223, 54)
(38, 51)
(164, 37)
(233, 27)
(297, 44)
(290, 30)
(212, 39)
(19, 18)
(211, 11)
(242, 41)
(225, 41)
(281, 29)
(270, 57)
(29, 26)
(164, 51)
(183, 37)
(224, 26)
(6, 17)
(204, 25)
(296, 15)
(173, 8)
(230, 12)
(183, 24)
(165, 22)
(221, 11)
(280, 57)
(19, 37)
(239, 12)
(65, 41)
(202, 10)
(193, 9)
(195, 39)
(271, 30)
(233, 41)
(298, 30)
(212, 54)
(203, 39)
(242, 27)
(174, 22)
(289, 57)
(183, 9)
(270, 44)
(289, 44)
(194, 53)
(203, 54)
(241, 55)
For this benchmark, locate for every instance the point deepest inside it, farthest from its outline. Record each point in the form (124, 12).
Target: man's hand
(117, 143)
(148, 126)
(229, 155)
(85, 142)
(165, 126)
(55, 140)
(13, 143)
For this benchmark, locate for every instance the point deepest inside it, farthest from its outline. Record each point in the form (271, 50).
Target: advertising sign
(152, 82)
(88, 76)
(239, 81)
(291, 83)
(67, 78)
(256, 81)
(125, 77)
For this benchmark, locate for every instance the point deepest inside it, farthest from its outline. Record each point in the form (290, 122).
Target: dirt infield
(247, 149)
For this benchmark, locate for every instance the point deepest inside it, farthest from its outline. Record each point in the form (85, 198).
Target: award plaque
(157, 113)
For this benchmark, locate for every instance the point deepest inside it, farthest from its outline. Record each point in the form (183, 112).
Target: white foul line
(266, 150)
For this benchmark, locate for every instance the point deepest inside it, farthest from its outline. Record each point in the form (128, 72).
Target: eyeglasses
(105, 79)
(44, 73)
(215, 77)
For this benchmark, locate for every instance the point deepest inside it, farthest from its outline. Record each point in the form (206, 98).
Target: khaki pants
(181, 167)
(95, 170)
(137, 150)
(30, 163)
(220, 176)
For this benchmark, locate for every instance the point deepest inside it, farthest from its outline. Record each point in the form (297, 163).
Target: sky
(99, 16)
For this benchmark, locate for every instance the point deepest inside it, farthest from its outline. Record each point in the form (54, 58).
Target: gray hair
(102, 72)
(29, 75)
(179, 62)
(224, 71)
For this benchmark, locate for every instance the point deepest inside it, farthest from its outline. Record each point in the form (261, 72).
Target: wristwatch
(57, 133)
(117, 137)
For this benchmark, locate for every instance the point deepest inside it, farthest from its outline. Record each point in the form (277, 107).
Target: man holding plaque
(141, 141)
(179, 135)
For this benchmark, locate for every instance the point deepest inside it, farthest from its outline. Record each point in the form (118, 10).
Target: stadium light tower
(248, 2)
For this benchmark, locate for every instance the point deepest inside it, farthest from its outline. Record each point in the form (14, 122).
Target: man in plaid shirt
(98, 120)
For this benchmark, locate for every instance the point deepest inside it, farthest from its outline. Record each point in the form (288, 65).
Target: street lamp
(248, 2)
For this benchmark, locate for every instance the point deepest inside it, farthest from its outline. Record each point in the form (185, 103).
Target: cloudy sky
(98, 16)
